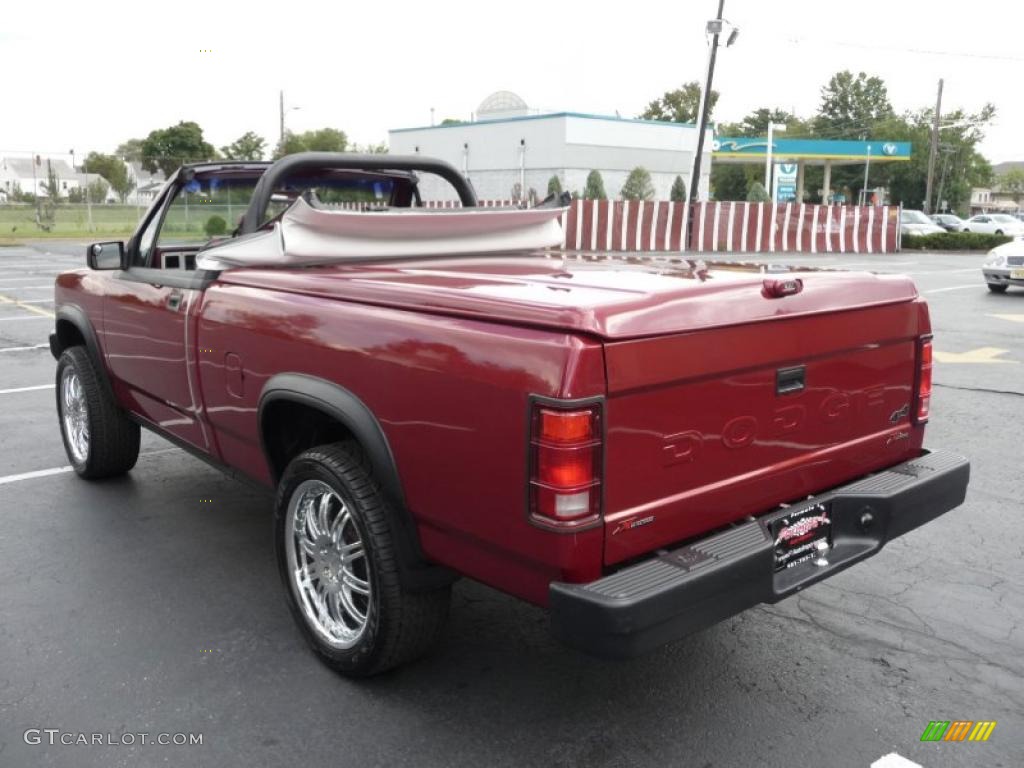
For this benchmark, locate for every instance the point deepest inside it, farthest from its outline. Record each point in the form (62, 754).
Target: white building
(24, 174)
(146, 184)
(505, 140)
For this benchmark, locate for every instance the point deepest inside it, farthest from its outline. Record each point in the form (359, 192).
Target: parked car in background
(949, 222)
(1005, 266)
(995, 224)
(916, 223)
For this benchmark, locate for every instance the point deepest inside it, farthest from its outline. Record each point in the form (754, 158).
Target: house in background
(1006, 195)
(24, 174)
(147, 185)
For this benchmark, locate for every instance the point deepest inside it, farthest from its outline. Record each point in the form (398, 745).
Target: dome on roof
(502, 104)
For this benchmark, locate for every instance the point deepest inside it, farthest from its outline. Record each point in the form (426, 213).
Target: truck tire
(997, 288)
(337, 560)
(99, 438)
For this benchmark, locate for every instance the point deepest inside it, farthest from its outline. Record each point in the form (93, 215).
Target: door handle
(174, 301)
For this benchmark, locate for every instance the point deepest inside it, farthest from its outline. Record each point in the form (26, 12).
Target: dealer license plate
(1017, 274)
(801, 535)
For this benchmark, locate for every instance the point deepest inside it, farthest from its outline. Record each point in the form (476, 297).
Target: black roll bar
(306, 161)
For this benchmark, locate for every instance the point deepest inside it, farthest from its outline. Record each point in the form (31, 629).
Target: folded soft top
(306, 235)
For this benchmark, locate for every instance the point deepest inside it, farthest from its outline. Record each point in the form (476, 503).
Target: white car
(995, 224)
(916, 223)
(1004, 266)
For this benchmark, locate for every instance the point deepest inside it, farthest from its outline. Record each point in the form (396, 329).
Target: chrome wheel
(74, 415)
(327, 563)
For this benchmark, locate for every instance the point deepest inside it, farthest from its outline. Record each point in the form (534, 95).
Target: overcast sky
(88, 75)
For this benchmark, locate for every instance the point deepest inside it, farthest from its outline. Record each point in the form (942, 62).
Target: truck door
(149, 318)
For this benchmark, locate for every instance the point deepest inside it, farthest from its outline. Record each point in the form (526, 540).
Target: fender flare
(333, 399)
(76, 316)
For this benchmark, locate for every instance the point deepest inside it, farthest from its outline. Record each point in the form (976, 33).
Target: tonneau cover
(310, 236)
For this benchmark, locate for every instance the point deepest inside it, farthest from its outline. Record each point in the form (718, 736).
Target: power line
(917, 51)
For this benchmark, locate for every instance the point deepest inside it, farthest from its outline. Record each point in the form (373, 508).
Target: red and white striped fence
(738, 227)
(728, 227)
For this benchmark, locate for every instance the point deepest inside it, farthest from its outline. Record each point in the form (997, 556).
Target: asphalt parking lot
(130, 606)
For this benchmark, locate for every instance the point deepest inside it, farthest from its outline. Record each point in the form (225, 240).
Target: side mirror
(105, 255)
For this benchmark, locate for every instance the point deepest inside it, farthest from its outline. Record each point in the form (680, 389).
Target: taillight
(924, 381)
(565, 465)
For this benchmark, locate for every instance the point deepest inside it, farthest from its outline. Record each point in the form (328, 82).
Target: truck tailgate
(709, 427)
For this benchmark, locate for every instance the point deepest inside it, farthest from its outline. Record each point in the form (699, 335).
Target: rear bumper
(676, 593)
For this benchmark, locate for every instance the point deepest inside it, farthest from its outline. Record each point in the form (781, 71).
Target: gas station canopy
(809, 151)
(791, 156)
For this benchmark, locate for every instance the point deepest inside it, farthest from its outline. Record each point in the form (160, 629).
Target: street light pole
(769, 156)
(702, 117)
(867, 170)
(714, 27)
(522, 168)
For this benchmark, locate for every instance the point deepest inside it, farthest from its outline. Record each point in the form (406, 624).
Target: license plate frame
(798, 532)
(1017, 274)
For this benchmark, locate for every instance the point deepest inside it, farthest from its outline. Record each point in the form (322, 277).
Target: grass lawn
(18, 222)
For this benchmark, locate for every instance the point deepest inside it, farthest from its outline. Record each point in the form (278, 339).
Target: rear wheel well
(292, 424)
(69, 335)
(288, 428)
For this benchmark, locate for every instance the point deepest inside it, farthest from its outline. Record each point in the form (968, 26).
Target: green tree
(594, 189)
(322, 140)
(130, 150)
(97, 189)
(215, 225)
(758, 194)
(678, 192)
(729, 181)
(452, 121)
(756, 123)
(638, 185)
(113, 170)
(381, 148)
(851, 106)
(52, 183)
(554, 185)
(1012, 182)
(166, 149)
(680, 105)
(964, 165)
(248, 146)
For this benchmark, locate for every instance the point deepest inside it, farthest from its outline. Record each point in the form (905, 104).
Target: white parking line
(954, 288)
(61, 470)
(33, 475)
(894, 760)
(24, 349)
(25, 389)
(25, 317)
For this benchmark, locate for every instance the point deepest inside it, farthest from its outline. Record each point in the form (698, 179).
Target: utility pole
(933, 152)
(702, 123)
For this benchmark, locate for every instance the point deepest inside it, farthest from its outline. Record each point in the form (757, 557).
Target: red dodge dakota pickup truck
(643, 445)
